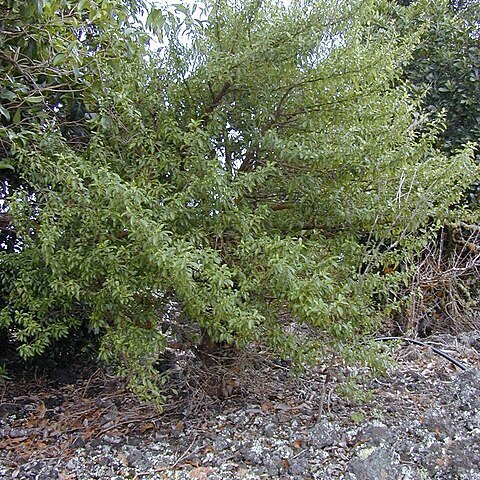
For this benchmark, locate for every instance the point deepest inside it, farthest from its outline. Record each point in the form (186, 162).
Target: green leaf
(58, 59)
(76, 72)
(33, 99)
(8, 94)
(17, 117)
(155, 21)
(82, 5)
(181, 8)
(6, 166)
(96, 86)
(4, 112)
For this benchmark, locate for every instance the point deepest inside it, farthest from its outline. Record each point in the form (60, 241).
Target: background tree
(264, 164)
(445, 68)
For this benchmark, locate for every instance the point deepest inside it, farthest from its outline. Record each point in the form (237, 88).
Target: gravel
(422, 421)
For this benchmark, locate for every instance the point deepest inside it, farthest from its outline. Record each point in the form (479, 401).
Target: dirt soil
(252, 418)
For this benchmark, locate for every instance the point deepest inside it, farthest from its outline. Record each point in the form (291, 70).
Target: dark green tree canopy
(445, 67)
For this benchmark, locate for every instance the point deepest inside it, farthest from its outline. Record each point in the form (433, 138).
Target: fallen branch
(423, 344)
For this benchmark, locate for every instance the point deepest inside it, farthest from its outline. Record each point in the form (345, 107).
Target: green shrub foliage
(262, 161)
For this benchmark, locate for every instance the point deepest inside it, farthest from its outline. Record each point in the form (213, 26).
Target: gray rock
(464, 456)
(273, 463)
(113, 439)
(47, 475)
(298, 466)
(241, 419)
(221, 444)
(95, 442)
(251, 456)
(374, 433)
(139, 459)
(269, 430)
(407, 449)
(374, 464)
(103, 460)
(466, 390)
(78, 442)
(439, 422)
(471, 339)
(431, 456)
(324, 434)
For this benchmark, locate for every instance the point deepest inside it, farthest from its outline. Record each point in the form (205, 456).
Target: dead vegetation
(444, 294)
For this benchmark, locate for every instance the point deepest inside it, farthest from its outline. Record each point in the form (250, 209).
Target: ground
(252, 418)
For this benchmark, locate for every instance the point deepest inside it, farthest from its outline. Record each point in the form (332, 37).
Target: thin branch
(423, 344)
(218, 98)
(19, 67)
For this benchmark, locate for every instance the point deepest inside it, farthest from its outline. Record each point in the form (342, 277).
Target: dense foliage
(263, 164)
(445, 68)
(448, 63)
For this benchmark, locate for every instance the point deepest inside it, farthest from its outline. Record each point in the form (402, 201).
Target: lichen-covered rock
(464, 456)
(138, 459)
(470, 339)
(372, 463)
(374, 433)
(466, 390)
(299, 467)
(324, 434)
(439, 422)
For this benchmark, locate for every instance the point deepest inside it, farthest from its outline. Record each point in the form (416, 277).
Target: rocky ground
(254, 419)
